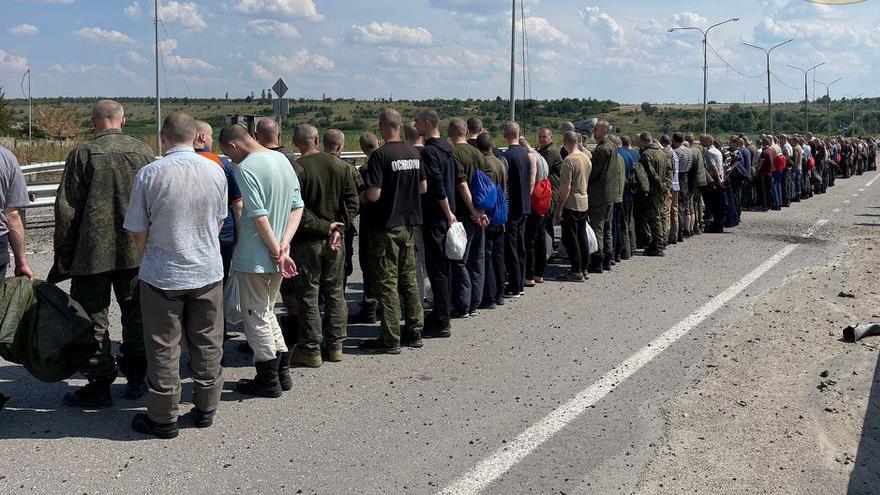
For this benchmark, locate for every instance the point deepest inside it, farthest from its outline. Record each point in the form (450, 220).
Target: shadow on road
(865, 477)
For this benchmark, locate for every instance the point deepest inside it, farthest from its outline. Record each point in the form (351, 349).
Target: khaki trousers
(196, 317)
(322, 273)
(257, 293)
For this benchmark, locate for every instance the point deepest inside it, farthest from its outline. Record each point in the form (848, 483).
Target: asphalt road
(418, 422)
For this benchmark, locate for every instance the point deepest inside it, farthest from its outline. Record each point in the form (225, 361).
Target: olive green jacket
(605, 175)
(657, 165)
(91, 202)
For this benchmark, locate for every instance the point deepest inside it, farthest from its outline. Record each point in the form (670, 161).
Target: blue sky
(619, 50)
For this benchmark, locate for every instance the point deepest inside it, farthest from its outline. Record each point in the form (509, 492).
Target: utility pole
(512, 61)
(705, 63)
(855, 107)
(158, 99)
(806, 95)
(828, 97)
(769, 92)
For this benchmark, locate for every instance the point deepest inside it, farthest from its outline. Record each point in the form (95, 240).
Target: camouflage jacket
(604, 181)
(657, 165)
(91, 203)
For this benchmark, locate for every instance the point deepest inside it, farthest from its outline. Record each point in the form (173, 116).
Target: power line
(780, 81)
(730, 66)
(176, 64)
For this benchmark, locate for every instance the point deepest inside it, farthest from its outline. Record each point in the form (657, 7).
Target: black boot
(606, 261)
(265, 384)
(595, 265)
(289, 329)
(135, 372)
(284, 371)
(142, 423)
(95, 395)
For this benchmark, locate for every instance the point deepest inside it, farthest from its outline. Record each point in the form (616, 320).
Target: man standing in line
(617, 210)
(438, 214)
(603, 182)
(685, 197)
(474, 129)
(787, 179)
(700, 178)
(13, 196)
(806, 188)
(178, 205)
(550, 153)
(334, 142)
(331, 203)
(493, 289)
(656, 163)
(468, 274)
(535, 225)
(368, 143)
(628, 226)
(521, 180)
(395, 181)
(571, 210)
(269, 136)
(411, 134)
(717, 199)
(272, 211)
(765, 173)
(797, 155)
(414, 139)
(94, 250)
(671, 226)
(202, 144)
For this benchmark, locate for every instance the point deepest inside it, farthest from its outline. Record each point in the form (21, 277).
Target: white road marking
(494, 466)
(871, 182)
(836, 210)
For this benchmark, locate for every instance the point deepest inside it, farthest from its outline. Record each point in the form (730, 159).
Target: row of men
(149, 230)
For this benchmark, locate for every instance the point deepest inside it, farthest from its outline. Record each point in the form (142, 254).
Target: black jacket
(440, 175)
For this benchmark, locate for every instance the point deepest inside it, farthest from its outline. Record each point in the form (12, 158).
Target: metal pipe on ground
(857, 332)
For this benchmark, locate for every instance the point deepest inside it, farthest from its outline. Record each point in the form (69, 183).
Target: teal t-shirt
(269, 187)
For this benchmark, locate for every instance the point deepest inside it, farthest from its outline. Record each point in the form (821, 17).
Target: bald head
(334, 141)
(268, 133)
(305, 137)
(178, 129)
(413, 138)
(511, 132)
(368, 143)
(204, 136)
(457, 129)
(108, 114)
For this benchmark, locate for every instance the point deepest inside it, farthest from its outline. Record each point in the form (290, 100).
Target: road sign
(279, 88)
(281, 106)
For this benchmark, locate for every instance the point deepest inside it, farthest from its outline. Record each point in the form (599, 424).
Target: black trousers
(515, 254)
(493, 289)
(718, 206)
(765, 193)
(536, 247)
(574, 237)
(467, 274)
(439, 270)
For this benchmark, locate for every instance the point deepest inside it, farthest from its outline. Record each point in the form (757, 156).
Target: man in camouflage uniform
(93, 249)
(334, 143)
(700, 177)
(331, 202)
(602, 192)
(658, 166)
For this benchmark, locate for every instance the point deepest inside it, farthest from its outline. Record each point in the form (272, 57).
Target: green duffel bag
(44, 330)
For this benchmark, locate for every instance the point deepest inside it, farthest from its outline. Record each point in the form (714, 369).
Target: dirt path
(781, 408)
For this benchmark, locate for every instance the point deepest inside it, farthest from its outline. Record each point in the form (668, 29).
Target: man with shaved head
(395, 181)
(468, 274)
(93, 249)
(331, 203)
(271, 214)
(368, 143)
(178, 205)
(269, 135)
(603, 183)
(334, 142)
(521, 173)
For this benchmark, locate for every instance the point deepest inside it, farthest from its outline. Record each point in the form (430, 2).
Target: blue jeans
(777, 189)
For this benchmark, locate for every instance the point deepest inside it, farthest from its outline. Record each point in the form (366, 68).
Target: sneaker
(142, 423)
(94, 395)
(489, 305)
(539, 280)
(529, 283)
(473, 313)
(378, 347)
(460, 314)
(436, 332)
(521, 293)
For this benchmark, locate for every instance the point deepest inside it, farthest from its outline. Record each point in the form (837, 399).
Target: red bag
(780, 162)
(811, 163)
(542, 195)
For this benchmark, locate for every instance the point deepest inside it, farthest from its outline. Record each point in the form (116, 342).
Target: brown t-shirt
(576, 171)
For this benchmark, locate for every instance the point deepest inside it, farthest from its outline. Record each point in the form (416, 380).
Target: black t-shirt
(397, 169)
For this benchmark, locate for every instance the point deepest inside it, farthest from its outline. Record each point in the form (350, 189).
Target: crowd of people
(168, 235)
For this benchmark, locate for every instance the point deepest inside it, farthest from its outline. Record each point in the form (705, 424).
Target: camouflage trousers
(322, 276)
(92, 292)
(656, 218)
(394, 262)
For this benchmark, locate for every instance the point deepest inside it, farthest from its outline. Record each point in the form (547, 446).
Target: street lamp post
(806, 95)
(705, 63)
(855, 107)
(769, 93)
(828, 97)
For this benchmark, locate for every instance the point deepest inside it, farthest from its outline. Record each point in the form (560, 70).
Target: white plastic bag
(592, 242)
(456, 242)
(231, 300)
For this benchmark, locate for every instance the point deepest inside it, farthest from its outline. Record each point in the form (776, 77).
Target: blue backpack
(484, 192)
(498, 213)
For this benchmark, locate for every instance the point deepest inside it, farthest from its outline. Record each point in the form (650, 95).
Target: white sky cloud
(135, 58)
(24, 30)
(386, 33)
(184, 13)
(99, 35)
(296, 9)
(75, 69)
(12, 63)
(273, 29)
(133, 11)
